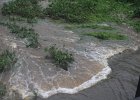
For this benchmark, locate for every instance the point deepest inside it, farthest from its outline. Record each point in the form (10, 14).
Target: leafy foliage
(60, 58)
(71, 10)
(136, 25)
(111, 11)
(137, 12)
(25, 8)
(89, 10)
(7, 60)
(135, 4)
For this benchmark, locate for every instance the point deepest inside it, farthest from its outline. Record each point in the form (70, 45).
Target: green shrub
(25, 33)
(137, 12)
(60, 58)
(135, 4)
(7, 60)
(32, 39)
(111, 11)
(71, 10)
(136, 25)
(2, 90)
(137, 8)
(107, 36)
(25, 8)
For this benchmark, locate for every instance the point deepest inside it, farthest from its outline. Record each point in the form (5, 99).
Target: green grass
(111, 11)
(7, 60)
(137, 12)
(91, 26)
(106, 27)
(19, 18)
(136, 25)
(89, 10)
(95, 26)
(29, 9)
(2, 90)
(107, 36)
(135, 4)
(16, 18)
(62, 59)
(73, 26)
(25, 33)
(76, 11)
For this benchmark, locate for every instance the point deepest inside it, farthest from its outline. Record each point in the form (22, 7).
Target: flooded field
(34, 75)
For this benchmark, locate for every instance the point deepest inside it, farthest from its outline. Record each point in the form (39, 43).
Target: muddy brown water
(34, 73)
(121, 85)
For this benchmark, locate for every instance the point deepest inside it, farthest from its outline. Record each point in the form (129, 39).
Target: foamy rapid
(100, 54)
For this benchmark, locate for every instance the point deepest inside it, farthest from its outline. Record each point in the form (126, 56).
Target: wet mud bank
(120, 85)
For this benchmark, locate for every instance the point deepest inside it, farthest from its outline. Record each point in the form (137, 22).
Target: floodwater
(121, 85)
(35, 74)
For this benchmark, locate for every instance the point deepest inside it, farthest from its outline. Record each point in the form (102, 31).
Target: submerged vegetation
(17, 10)
(27, 33)
(62, 59)
(107, 35)
(2, 90)
(91, 26)
(7, 60)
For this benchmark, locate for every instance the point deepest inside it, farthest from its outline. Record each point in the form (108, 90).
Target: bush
(60, 58)
(135, 4)
(136, 25)
(7, 60)
(32, 39)
(26, 33)
(2, 90)
(25, 8)
(107, 36)
(137, 12)
(137, 8)
(71, 10)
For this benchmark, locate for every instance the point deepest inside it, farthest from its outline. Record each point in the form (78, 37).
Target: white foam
(99, 54)
(95, 79)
